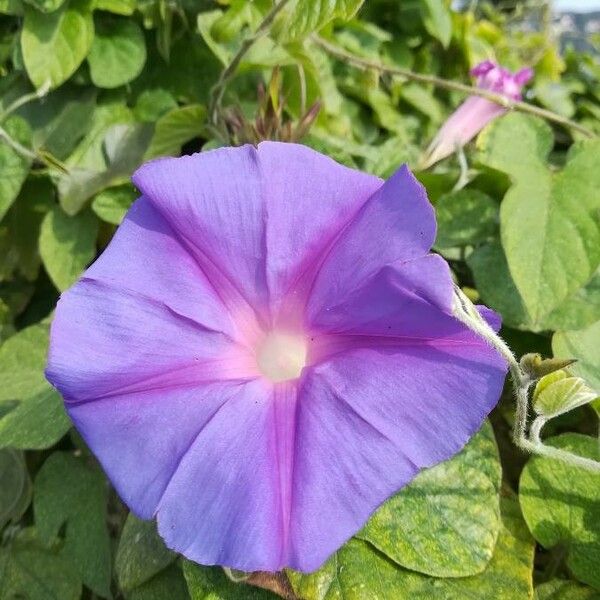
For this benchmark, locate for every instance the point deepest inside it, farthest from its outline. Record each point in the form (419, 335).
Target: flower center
(281, 356)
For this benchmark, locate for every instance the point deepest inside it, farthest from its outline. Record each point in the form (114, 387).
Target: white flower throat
(282, 356)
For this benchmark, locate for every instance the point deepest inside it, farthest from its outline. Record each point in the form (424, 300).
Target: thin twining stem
(448, 84)
(465, 311)
(216, 94)
(17, 146)
(41, 156)
(25, 99)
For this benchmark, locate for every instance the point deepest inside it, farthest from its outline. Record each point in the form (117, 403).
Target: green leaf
(579, 310)
(67, 492)
(467, 217)
(169, 584)
(550, 225)
(15, 492)
(562, 589)
(174, 129)
(445, 523)
(153, 104)
(305, 16)
(141, 553)
(61, 119)
(498, 291)
(45, 5)
(197, 68)
(13, 165)
(25, 218)
(556, 97)
(496, 286)
(67, 245)
(263, 53)
(11, 7)
(112, 204)
(239, 14)
(119, 7)
(386, 112)
(36, 422)
(437, 20)
(22, 362)
(8, 256)
(211, 583)
(422, 100)
(124, 146)
(31, 571)
(55, 44)
(561, 505)
(118, 53)
(582, 345)
(383, 160)
(357, 571)
(88, 164)
(557, 393)
(89, 154)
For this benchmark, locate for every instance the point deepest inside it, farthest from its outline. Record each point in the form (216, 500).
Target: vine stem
(467, 313)
(507, 103)
(45, 158)
(17, 146)
(25, 99)
(216, 94)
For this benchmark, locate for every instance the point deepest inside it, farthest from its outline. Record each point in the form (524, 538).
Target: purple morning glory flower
(476, 112)
(265, 352)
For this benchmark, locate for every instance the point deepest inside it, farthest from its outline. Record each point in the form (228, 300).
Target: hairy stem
(536, 429)
(465, 311)
(508, 103)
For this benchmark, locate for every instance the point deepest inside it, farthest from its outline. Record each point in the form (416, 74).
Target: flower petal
(213, 201)
(310, 198)
(106, 340)
(140, 437)
(368, 420)
(461, 127)
(411, 299)
(255, 218)
(239, 519)
(396, 224)
(146, 257)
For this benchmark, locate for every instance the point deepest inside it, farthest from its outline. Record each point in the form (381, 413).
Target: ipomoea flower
(266, 351)
(476, 112)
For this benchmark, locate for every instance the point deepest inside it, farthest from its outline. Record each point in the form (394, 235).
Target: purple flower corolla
(476, 112)
(266, 351)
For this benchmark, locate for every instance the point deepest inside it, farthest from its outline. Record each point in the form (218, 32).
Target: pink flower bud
(476, 112)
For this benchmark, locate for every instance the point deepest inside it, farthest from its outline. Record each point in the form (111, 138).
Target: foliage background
(92, 88)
